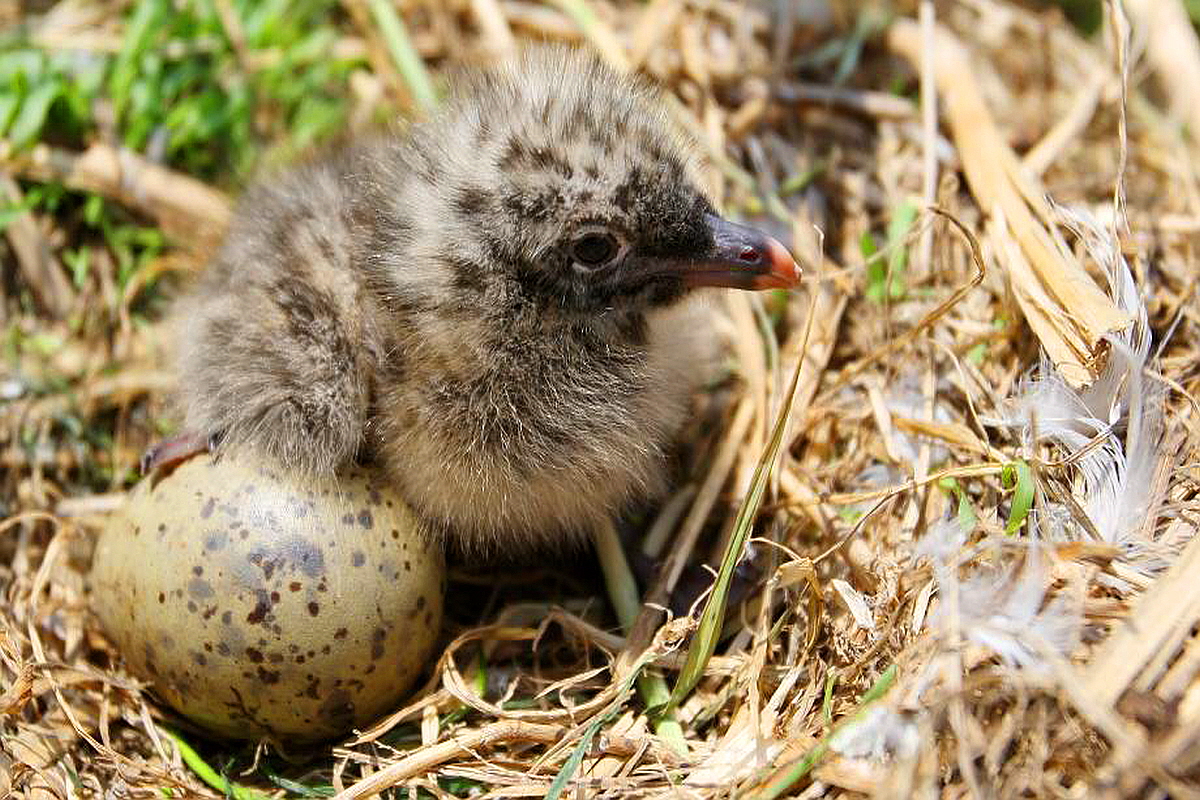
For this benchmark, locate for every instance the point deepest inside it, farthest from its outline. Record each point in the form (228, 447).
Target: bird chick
(492, 305)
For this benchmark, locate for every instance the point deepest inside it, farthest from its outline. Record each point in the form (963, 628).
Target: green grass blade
(880, 687)
(209, 775)
(886, 267)
(295, 787)
(827, 701)
(302, 790)
(31, 116)
(401, 49)
(798, 770)
(704, 643)
(786, 779)
(147, 17)
(623, 593)
(901, 223)
(571, 765)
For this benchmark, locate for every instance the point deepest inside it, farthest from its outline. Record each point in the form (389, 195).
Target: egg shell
(260, 602)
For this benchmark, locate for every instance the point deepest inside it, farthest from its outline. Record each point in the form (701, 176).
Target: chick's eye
(595, 248)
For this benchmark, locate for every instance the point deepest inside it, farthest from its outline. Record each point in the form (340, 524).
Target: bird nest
(931, 533)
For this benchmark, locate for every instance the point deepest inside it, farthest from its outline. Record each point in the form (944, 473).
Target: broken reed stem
(188, 209)
(623, 592)
(1067, 311)
(39, 268)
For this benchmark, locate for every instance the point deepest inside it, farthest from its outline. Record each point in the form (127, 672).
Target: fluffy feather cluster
(1108, 433)
(1108, 438)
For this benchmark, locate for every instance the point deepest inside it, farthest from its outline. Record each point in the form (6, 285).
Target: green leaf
(966, 512)
(867, 246)
(885, 279)
(7, 215)
(313, 46)
(10, 101)
(876, 271)
(44, 344)
(10, 211)
(31, 115)
(315, 118)
(800, 180)
(852, 50)
(22, 67)
(1019, 477)
(78, 262)
(461, 787)
(898, 229)
(93, 210)
(1086, 15)
(146, 19)
(850, 514)
(977, 353)
(1193, 9)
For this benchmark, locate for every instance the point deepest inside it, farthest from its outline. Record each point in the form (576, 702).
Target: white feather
(1004, 609)
(878, 733)
(1109, 432)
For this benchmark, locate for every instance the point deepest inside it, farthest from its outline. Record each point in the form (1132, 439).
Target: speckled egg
(259, 602)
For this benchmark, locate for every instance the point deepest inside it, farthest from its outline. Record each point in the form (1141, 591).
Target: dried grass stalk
(42, 272)
(1164, 618)
(189, 210)
(1065, 308)
(1173, 50)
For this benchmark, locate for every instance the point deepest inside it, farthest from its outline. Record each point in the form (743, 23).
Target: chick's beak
(742, 258)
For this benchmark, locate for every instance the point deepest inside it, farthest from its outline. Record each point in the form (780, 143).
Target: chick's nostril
(749, 255)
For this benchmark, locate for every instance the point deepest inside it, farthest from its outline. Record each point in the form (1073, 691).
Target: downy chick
(493, 305)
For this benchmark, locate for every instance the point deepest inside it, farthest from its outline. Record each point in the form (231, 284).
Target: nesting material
(974, 577)
(1064, 306)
